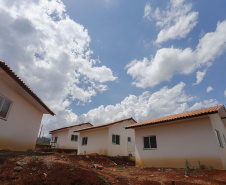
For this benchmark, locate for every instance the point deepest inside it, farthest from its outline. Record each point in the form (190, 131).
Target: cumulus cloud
(170, 61)
(175, 22)
(209, 88)
(199, 76)
(148, 105)
(50, 52)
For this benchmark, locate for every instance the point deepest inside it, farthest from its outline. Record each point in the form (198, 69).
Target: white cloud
(175, 22)
(209, 88)
(199, 76)
(170, 61)
(147, 105)
(147, 11)
(50, 52)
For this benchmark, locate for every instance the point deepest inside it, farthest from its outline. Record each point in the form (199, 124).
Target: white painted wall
(217, 124)
(64, 137)
(100, 140)
(19, 132)
(122, 149)
(97, 141)
(193, 140)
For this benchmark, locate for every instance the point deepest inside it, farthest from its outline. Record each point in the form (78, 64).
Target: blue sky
(102, 60)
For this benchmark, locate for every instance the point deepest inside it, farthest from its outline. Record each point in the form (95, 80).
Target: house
(21, 112)
(108, 139)
(195, 136)
(65, 137)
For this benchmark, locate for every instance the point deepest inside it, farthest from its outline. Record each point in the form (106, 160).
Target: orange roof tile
(185, 115)
(24, 86)
(104, 125)
(50, 132)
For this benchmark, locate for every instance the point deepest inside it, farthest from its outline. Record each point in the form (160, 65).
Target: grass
(72, 169)
(33, 169)
(120, 168)
(65, 159)
(104, 179)
(35, 157)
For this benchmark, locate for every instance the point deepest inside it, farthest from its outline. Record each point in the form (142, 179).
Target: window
(219, 138)
(150, 142)
(129, 139)
(74, 138)
(4, 107)
(55, 139)
(116, 139)
(84, 140)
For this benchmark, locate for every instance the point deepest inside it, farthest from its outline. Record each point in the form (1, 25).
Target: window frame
(150, 148)
(114, 140)
(219, 138)
(129, 139)
(1, 105)
(84, 141)
(75, 136)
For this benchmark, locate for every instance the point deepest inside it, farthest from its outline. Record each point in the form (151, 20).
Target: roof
(105, 125)
(185, 115)
(50, 132)
(24, 86)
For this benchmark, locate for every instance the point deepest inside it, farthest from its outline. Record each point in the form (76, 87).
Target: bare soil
(63, 169)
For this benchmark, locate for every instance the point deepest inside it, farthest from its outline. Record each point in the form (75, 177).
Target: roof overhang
(15, 83)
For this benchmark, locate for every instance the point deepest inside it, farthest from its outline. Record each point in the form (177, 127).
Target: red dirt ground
(63, 169)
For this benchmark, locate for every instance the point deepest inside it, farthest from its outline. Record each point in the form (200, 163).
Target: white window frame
(75, 136)
(150, 148)
(114, 141)
(85, 141)
(219, 138)
(7, 114)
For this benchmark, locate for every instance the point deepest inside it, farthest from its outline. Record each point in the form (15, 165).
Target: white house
(194, 136)
(65, 137)
(21, 112)
(110, 139)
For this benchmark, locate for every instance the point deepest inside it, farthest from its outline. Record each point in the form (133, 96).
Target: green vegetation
(65, 159)
(33, 169)
(35, 157)
(72, 169)
(74, 153)
(120, 168)
(29, 152)
(187, 168)
(104, 179)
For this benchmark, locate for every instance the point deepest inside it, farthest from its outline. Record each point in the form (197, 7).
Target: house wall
(19, 132)
(192, 140)
(217, 124)
(64, 137)
(74, 144)
(97, 141)
(125, 148)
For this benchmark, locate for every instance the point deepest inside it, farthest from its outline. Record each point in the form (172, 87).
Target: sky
(104, 60)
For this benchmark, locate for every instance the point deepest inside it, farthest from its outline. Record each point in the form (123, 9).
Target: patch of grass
(202, 166)
(120, 168)
(72, 169)
(104, 179)
(54, 151)
(33, 169)
(74, 153)
(187, 168)
(212, 168)
(63, 152)
(75, 165)
(29, 152)
(65, 159)
(35, 157)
